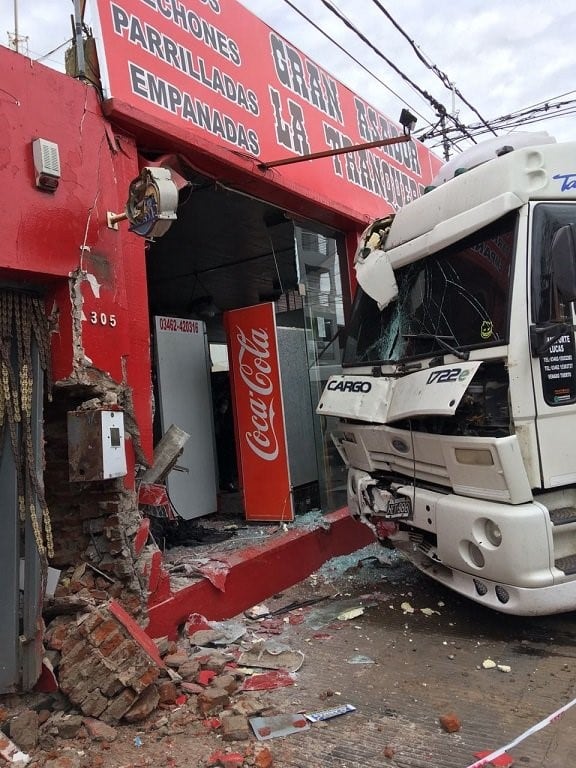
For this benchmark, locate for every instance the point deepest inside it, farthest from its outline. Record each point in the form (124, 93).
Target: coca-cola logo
(255, 367)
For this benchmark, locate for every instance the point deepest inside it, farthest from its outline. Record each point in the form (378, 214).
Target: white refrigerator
(185, 399)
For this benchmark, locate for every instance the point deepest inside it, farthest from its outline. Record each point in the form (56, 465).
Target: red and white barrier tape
(485, 761)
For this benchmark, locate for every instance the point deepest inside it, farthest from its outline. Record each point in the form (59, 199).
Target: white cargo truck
(457, 401)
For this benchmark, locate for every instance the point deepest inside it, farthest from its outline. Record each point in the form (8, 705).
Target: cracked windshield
(451, 301)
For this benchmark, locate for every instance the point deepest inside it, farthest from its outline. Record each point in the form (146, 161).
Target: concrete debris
(504, 667)
(429, 612)
(216, 572)
(11, 753)
(99, 731)
(351, 613)
(406, 607)
(219, 633)
(360, 659)
(488, 664)
(257, 611)
(235, 728)
(24, 729)
(272, 655)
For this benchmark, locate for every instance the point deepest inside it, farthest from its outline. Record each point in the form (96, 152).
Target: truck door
(553, 350)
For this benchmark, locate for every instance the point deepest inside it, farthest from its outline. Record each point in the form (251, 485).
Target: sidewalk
(227, 577)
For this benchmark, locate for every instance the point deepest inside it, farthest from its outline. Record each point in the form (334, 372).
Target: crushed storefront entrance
(93, 310)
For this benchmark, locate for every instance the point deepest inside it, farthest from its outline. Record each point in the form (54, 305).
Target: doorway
(228, 250)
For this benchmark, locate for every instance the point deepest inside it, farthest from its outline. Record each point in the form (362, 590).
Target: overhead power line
(54, 50)
(545, 110)
(355, 60)
(443, 77)
(440, 108)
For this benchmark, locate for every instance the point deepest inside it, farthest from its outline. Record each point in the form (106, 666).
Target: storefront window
(319, 260)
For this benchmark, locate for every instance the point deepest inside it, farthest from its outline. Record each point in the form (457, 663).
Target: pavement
(423, 648)
(404, 670)
(404, 652)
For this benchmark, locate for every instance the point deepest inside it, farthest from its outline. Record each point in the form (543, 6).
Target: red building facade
(208, 91)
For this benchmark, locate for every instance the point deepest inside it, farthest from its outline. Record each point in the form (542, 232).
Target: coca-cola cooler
(273, 413)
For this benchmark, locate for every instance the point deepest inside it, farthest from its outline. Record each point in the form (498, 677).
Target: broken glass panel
(453, 300)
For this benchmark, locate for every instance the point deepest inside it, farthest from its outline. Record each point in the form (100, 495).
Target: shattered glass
(450, 301)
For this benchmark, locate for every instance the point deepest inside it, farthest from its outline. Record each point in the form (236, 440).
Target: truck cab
(457, 400)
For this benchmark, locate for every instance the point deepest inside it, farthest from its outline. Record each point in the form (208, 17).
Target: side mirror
(563, 256)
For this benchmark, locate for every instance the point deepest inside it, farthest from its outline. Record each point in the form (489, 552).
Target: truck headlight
(493, 533)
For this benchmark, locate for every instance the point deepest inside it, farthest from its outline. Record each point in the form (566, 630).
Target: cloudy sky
(502, 55)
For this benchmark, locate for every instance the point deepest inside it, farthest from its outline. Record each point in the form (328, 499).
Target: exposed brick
(75, 650)
(118, 707)
(148, 677)
(94, 704)
(123, 653)
(113, 642)
(263, 757)
(56, 636)
(144, 705)
(112, 687)
(83, 674)
(450, 723)
(136, 631)
(99, 595)
(99, 731)
(168, 692)
(101, 633)
(221, 759)
(92, 621)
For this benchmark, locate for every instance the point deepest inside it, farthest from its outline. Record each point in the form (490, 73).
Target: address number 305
(102, 318)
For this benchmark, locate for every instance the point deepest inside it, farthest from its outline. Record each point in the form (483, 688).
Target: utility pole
(16, 25)
(16, 41)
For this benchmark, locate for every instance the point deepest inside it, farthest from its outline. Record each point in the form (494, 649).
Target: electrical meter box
(96, 445)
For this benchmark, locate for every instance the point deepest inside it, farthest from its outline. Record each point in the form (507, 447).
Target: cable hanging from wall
(24, 333)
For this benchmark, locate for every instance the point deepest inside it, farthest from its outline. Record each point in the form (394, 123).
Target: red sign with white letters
(258, 412)
(215, 69)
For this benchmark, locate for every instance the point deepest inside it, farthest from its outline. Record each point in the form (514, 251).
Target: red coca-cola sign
(258, 411)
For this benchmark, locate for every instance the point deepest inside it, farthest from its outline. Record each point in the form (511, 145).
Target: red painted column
(256, 573)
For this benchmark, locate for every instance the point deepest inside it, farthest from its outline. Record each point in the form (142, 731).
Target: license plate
(398, 509)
